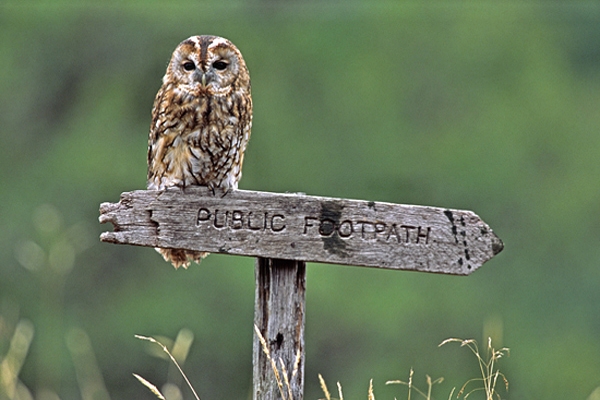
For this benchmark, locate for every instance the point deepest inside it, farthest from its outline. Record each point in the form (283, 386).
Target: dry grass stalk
(324, 387)
(412, 387)
(371, 394)
(150, 386)
(487, 366)
(286, 380)
(164, 348)
(285, 389)
(339, 386)
(87, 371)
(326, 391)
(12, 362)
(296, 363)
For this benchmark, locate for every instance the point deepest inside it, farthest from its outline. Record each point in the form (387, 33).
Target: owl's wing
(156, 124)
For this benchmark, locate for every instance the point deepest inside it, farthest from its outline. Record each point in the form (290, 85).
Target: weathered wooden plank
(279, 316)
(305, 228)
(131, 219)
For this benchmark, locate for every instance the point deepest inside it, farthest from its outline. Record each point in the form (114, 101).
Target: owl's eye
(220, 65)
(189, 66)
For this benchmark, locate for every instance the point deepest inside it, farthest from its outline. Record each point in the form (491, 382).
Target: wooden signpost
(284, 231)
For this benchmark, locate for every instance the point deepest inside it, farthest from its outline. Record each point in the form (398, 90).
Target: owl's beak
(200, 76)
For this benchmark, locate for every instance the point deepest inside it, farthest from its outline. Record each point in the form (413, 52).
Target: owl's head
(207, 66)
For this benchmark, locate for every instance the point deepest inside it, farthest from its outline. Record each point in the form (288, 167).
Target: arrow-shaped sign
(305, 228)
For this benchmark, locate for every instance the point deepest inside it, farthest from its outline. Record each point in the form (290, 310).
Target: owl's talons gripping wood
(219, 191)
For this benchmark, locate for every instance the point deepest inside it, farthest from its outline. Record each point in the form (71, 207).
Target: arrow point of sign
(497, 244)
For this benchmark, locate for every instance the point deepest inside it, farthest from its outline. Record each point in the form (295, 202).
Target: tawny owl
(201, 123)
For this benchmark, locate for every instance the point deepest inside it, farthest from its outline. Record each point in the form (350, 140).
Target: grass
(487, 365)
(411, 387)
(12, 361)
(490, 376)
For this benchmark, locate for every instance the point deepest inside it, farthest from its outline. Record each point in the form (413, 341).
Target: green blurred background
(486, 106)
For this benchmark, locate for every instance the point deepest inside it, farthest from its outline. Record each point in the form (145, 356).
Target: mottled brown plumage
(201, 123)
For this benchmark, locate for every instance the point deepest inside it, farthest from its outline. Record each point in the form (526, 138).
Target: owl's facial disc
(205, 73)
(206, 65)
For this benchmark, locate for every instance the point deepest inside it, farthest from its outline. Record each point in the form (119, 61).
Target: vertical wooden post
(279, 316)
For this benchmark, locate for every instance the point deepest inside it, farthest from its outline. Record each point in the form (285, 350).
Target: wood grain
(279, 317)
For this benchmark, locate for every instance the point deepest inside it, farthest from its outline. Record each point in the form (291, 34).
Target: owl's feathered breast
(198, 139)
